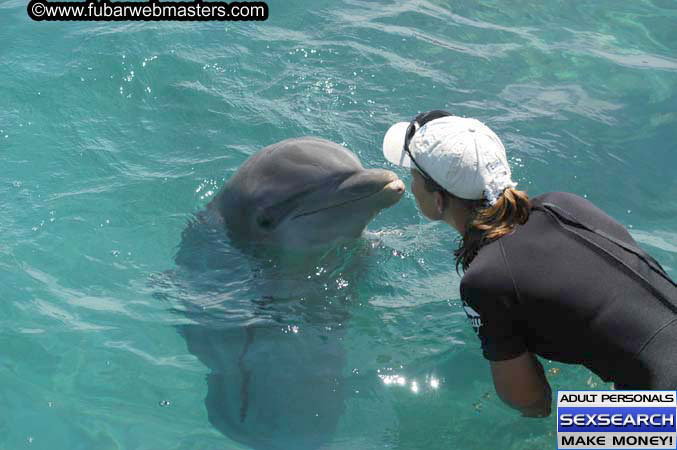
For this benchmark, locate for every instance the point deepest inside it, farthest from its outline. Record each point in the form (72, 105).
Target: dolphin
(303, 193)
(270, 327)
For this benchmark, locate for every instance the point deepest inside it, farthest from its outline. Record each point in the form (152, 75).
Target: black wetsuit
(572, 285)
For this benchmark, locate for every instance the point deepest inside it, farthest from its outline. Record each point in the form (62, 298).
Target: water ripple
(534, 101)
(604, 46)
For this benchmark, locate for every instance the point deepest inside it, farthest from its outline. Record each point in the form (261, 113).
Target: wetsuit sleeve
(492, 313)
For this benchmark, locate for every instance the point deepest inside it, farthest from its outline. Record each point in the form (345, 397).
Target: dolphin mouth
(352, 200)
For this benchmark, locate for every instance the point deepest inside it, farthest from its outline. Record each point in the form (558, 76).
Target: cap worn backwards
(460, 154)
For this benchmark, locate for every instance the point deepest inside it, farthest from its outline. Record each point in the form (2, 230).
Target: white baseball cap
(460, 154)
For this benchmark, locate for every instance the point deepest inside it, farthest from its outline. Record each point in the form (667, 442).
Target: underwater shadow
(269, 326)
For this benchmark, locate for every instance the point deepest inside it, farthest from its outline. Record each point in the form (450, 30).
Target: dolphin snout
(366, 182)
(393, 191)
(396, 186)
(380, 183)
(390, 180)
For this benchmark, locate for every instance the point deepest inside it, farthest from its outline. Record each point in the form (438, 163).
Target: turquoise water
(113, 134)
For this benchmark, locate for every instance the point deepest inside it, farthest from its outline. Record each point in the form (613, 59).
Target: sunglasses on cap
(417, 123)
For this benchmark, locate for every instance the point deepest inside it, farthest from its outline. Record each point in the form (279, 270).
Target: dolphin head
(302, 193)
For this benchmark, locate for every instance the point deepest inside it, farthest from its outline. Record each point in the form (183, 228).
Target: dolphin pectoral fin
(216, 400)
(245, 373)
(227, 369)
(276, 390)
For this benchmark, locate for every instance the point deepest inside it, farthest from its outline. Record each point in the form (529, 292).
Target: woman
(552, 275)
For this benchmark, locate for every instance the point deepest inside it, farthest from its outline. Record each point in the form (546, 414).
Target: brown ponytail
(488, 223)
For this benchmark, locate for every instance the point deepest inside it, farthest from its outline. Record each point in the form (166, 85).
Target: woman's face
(424, 199)
(455, 213)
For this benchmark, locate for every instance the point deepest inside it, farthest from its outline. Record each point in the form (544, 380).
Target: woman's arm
(520, 382)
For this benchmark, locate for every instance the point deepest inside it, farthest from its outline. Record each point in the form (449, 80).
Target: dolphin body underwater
(261, 317)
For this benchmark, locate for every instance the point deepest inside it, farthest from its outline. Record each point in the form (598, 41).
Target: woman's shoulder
(487, 272)
(561, 199)
(583, 211)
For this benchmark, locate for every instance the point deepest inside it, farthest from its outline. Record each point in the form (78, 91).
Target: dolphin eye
(264, 222)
